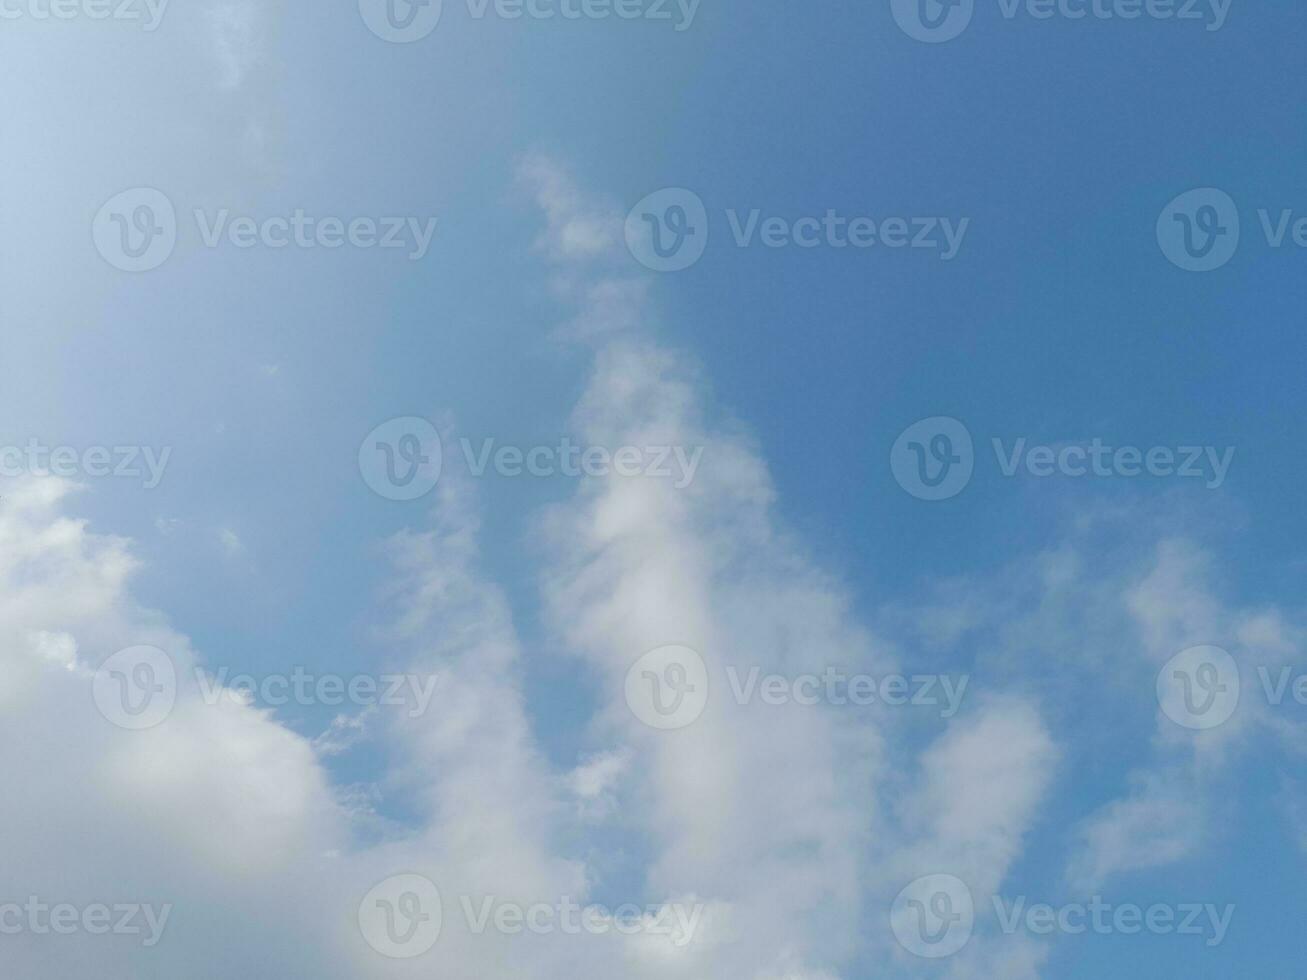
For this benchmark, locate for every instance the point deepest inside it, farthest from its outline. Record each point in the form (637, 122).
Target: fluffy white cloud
(791, 826)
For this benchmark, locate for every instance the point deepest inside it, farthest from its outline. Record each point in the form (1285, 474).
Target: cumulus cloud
(1167, 813)
(1087, 626)
(782, 831)
(221, 811)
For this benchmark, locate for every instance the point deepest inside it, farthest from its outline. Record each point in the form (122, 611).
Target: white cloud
(983, 782)
(235, 32)
(793, 826)
(595, 783)
(575, 227)
(230, 542)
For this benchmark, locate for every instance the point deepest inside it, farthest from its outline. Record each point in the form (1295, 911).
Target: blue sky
(1060, 321)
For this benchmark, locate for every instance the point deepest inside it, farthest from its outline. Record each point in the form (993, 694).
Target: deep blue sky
(1059, 321)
